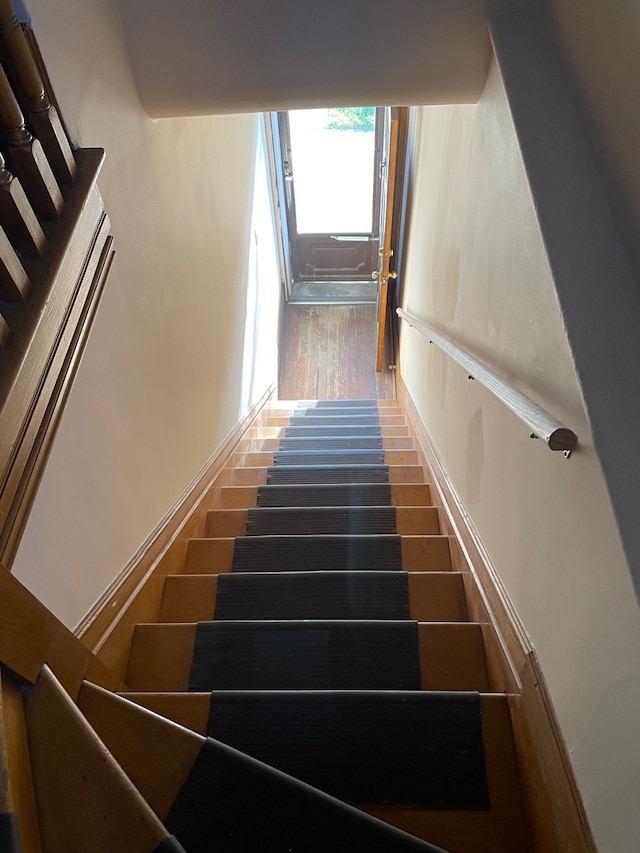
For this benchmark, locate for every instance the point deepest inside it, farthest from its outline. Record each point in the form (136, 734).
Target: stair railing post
(28, 157)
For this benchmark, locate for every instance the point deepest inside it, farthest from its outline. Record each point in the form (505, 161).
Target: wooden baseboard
(135, 595)
(556, 820)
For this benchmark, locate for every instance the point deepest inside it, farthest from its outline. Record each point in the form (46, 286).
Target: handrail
(540, 423)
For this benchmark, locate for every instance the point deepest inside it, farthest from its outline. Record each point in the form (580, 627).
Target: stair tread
(326, 654)
(340, 494)
(325, 473)
(324, 552)
(318, 520)
(313, 595)
(329, 457)
(396, 747)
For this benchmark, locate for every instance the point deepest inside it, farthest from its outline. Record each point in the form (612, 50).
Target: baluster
(14, 281)
(30, 163)
(43, 116)
(17, 217)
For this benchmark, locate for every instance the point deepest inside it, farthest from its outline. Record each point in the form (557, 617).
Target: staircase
(314, 656)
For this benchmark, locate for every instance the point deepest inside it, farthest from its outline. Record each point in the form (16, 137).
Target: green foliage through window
(351, 118)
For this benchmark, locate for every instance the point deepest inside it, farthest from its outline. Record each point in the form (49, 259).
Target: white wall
(161, 384)
(477, 270)
(219, 56)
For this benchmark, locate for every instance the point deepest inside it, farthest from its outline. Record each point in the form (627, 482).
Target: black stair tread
(264, 521)
(341, 494)
(334, 420)
(332, 443)
(332, 412)
(328, 430)
(346, 402)
(328, 457)
(261, 810)
(317, 553)
(366, 747)
(306, 655)
(312, 595)
(290, 474)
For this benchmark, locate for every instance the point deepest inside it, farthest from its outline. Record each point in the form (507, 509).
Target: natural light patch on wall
(263, 288)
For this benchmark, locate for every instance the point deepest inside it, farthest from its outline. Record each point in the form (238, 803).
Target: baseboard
(553, 807)
(135, 595)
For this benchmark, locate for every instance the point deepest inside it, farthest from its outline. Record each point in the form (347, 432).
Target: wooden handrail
(539, 422)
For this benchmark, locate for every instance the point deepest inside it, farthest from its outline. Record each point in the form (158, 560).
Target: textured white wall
(161, 384)
(477, 270)
(221, 56)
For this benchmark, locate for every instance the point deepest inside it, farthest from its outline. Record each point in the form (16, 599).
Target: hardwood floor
(329, 352)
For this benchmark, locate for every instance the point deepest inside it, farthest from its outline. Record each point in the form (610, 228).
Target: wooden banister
(43, 116)
(31, 636)
(539, 422)
(28, 157)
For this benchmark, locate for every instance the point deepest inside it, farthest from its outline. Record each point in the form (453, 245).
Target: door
(388, 169)
(329, 162)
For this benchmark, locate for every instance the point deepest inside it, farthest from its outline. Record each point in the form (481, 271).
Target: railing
(55, 254)
(539, 422)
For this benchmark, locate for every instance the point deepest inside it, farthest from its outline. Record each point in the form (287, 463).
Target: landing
(328, 352)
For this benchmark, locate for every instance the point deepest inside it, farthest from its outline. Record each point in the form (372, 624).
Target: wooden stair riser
(410, 521)
(432, 597)
(244, 497)
(419, 554)
(451, 657)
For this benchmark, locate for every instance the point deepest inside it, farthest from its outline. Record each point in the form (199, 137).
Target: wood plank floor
(329, 352)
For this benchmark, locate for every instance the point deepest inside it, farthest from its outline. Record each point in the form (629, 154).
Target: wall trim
(557, 822)
(157, 556)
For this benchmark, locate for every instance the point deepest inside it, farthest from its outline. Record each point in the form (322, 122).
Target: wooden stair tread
(426, 596)
(243, 497)
(498, 830)
(208, 773)
(420, 553)
(450, 656)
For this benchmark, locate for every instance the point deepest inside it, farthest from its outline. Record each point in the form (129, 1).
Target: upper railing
(539, 422)
(55, 254)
